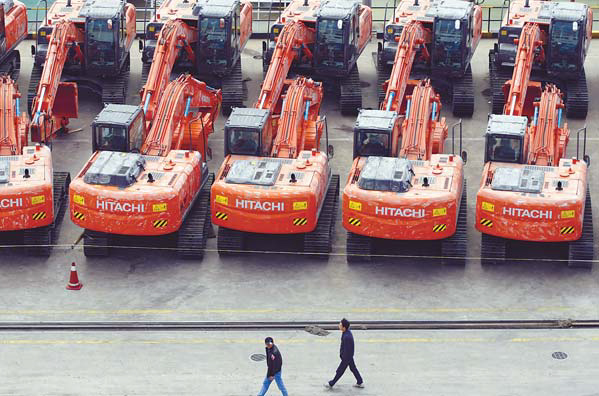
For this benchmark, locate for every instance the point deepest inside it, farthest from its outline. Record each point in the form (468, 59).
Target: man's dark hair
(345, 323)
(269, 340)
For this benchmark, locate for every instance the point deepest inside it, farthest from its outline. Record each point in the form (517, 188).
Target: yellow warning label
(161, 207)
(78, 199)
(38, 199)
(221, 200)
(355, 205)
(489, 207)
(300, 205)
(439, 212)
(568, 214)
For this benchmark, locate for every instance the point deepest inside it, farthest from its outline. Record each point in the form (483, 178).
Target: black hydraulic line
(298, 325)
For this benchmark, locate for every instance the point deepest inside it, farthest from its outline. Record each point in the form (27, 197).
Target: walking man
(346, 353)
(274, 362)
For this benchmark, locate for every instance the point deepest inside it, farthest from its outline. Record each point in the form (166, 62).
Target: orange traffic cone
(74, 283)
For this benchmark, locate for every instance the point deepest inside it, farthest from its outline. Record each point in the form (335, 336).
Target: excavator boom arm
(412, 36)
(173, 114)
(64, 38)
(174, 36)
(13, 126)
(530, 39)
(292, 40)
(301, 107)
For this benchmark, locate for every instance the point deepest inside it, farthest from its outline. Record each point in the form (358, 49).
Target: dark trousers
(341, 369)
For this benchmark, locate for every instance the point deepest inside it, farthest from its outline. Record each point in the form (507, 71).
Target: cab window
(243, 141)
(136, 134)
(503, 149)
(111, 138)
(373, 143)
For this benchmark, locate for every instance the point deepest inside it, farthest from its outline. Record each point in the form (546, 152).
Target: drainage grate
(257, 357)
(559, 355)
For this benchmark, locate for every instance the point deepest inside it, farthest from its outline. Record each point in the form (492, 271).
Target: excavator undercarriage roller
(454, 249)
(580, 252)
(492, 250)
(34, 80)
(196, 228)
(39, 241)
(230, 242)
(577, 97)
(462, 98)
(96, 244)
(358, 248)
(233, 89)
(114, 90)
(319, 242)
(350, 93)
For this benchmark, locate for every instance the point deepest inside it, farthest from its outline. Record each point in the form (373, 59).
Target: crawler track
(318, 243)
(462, 98)
(114, 90)
(454, 249)
(577, 97)
(580, 252)
(232, 89)
(350, 96)
(192, 236)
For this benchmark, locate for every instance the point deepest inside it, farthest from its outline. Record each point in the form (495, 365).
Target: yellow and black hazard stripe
(39, 216)
(355, 222)
(160, 223)
(222, 216)
(439, 227)
(300, 221)
(79, 215)
(486, 223)
(567, 230)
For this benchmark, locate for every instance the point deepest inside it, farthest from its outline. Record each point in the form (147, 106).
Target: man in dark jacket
(346, 354)
(274, 362)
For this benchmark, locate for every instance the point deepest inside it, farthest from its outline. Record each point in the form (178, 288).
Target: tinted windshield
(373, 143)
(503, 149)
(110, 138)
(101, 41)
(564, 45)
(213, 39)
(330, 42)
(243, 141)
(448, 43)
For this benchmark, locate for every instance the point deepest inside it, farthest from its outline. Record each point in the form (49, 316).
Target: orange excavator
(454, 31)
(152, 182)
(402, 185)
(567, 28)
(204, 38)
(323, 38)
(529, 191)
(86, 43)
(32, 196)
(13, 30)
(280, 186)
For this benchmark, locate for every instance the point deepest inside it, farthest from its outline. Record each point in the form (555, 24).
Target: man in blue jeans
(274, 362)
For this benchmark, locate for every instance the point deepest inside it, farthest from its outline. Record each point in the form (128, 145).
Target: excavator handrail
(584, 142)
(453, 136)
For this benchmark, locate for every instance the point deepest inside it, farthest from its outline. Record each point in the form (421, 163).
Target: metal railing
(267, 11)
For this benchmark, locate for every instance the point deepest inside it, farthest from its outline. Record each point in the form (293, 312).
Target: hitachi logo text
(112, 206)
(11, 203)
(257, 205)
(399, 212)
(530, 214)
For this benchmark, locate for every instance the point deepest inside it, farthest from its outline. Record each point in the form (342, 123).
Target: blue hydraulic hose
(390, 100)
(147, 102)
(408, 108)
(17, 105)
(187, 106)
(536, 117)
(307, 109)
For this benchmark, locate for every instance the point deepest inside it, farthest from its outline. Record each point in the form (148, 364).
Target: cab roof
(101, 8)
(500, 124)
(117, 114)
(338, 8)
(214, 8)
(376, 120)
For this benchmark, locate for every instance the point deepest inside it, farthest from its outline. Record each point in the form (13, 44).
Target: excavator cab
(219, 29)
(244, 132)
(452, 38)
(567, 39)
(374, 133)
(105, 37)
(504, 140)
(337, 35)
(119, 128)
